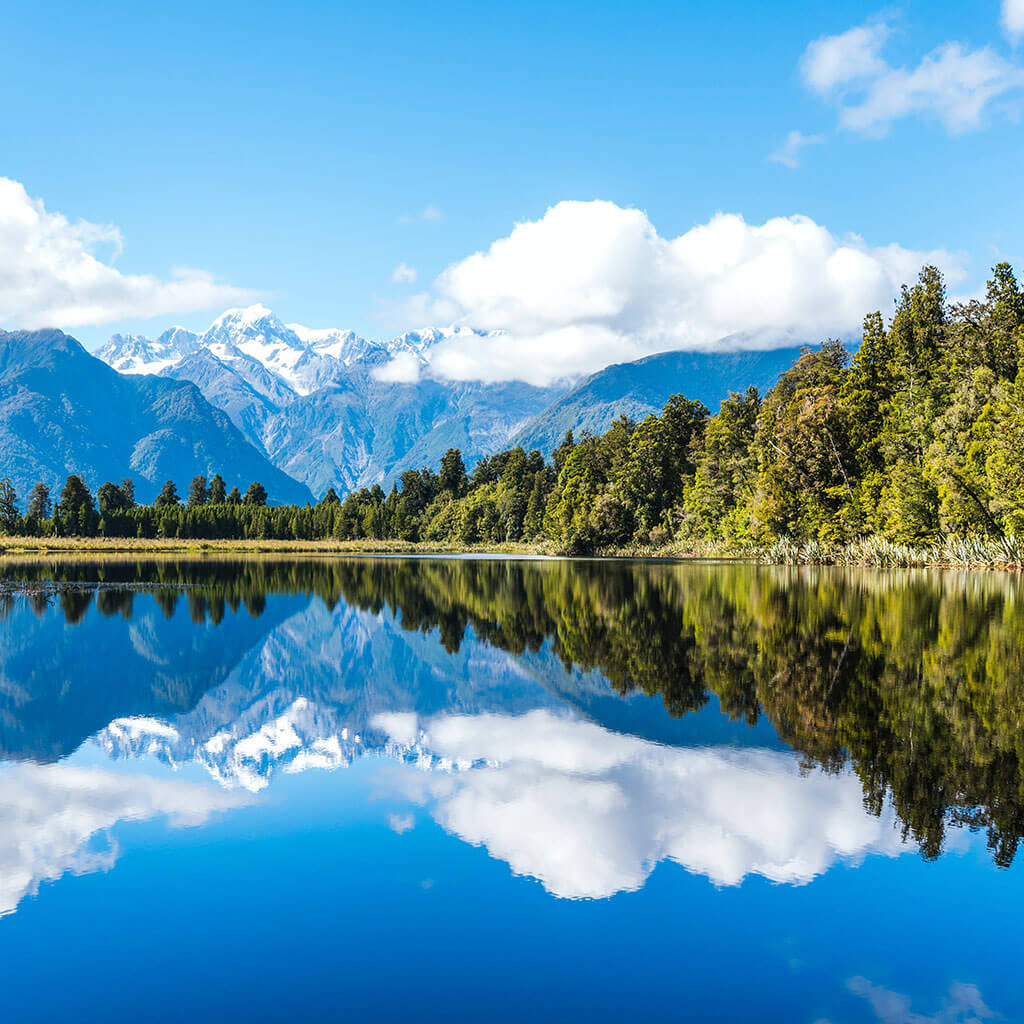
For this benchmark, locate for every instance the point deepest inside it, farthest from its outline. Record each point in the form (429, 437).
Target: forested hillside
(918, 436)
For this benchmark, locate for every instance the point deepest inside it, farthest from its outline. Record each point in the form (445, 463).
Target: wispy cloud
(963, 1005)
(59, 273)
(953, 84)
(404, 274)
(788, 154)
(431, 213)
(1013, 18)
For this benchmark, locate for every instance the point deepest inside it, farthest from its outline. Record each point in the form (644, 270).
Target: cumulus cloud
(590, 812)
(404, 274)
(592, 283)
(51, 274)
(952, 83)
(788, 154)
(1013, 18)
(55, 820)
(403, 368)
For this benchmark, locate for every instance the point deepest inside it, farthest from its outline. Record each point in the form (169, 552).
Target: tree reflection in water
(913, 680)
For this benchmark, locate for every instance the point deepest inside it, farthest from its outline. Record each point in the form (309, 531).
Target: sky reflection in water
(830, 759)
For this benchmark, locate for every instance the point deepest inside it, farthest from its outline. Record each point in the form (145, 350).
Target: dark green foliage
(75, 514)
(10, 520)
(255, 494)
(168, 496)
(216, 495)
(112, 499)
(39, 502)
(198, 492)
(453, 479)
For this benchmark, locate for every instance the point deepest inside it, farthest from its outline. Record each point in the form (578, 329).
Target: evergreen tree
(112, 499)
(39, 502)
(217, 492)
(76, 507)
(234, 498)
(562, 452)
(255, 494)
(198, 492)
(9, 517)
(168, 496)
(453, 478)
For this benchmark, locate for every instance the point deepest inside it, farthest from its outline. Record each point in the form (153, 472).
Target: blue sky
(291, 151)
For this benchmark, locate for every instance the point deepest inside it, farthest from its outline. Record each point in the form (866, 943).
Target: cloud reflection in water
(589, 812)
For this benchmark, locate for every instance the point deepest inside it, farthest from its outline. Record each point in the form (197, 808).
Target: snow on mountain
(321, 404)
(135, 353)
(302, 359)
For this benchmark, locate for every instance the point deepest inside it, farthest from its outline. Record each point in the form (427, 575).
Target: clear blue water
(381, 789)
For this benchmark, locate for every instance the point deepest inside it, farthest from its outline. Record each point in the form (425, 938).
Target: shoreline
(951, 553)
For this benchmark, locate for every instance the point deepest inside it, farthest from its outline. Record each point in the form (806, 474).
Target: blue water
(317, 811)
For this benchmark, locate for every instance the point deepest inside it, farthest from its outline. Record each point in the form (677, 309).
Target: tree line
(918, 435)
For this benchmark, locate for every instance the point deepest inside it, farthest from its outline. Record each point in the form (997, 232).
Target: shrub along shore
(953, 552)
(909, 453)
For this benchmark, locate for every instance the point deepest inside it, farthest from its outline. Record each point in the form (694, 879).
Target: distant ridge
(640, 388)
(64, 411)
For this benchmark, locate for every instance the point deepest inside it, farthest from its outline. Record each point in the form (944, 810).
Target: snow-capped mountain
(333, 409)
(317, 403)
(301, 359)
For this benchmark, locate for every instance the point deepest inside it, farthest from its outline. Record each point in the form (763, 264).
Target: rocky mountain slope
(64, 411)
(640, 388)
(320, 404)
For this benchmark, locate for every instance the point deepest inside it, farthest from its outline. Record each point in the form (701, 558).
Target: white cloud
(403, 368)
(404, 274)
(590, 812)
(55, 819)
(52, 276)
(963, 1005)
(953, 84)
(831, 61)
(788, 153)
(1013, 18)
(401, 823)
(592, 283)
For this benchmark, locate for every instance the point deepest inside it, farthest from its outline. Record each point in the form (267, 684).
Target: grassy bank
(172, 545)
(950, 552)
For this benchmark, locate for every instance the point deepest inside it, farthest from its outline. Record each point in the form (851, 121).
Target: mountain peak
(246, 316)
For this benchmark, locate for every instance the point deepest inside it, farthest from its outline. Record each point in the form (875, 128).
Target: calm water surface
(495, 790)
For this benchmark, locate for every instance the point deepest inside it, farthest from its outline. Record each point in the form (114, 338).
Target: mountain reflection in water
(581, 722)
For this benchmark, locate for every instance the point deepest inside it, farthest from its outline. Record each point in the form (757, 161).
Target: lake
(491, 789)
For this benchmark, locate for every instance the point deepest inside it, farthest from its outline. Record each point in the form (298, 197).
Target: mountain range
(64, 411)
(319, 403)
(325, 407)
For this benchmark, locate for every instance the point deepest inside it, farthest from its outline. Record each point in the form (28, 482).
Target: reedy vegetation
(909, 452)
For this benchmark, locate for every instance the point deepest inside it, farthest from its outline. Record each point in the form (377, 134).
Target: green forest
(916, 436)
